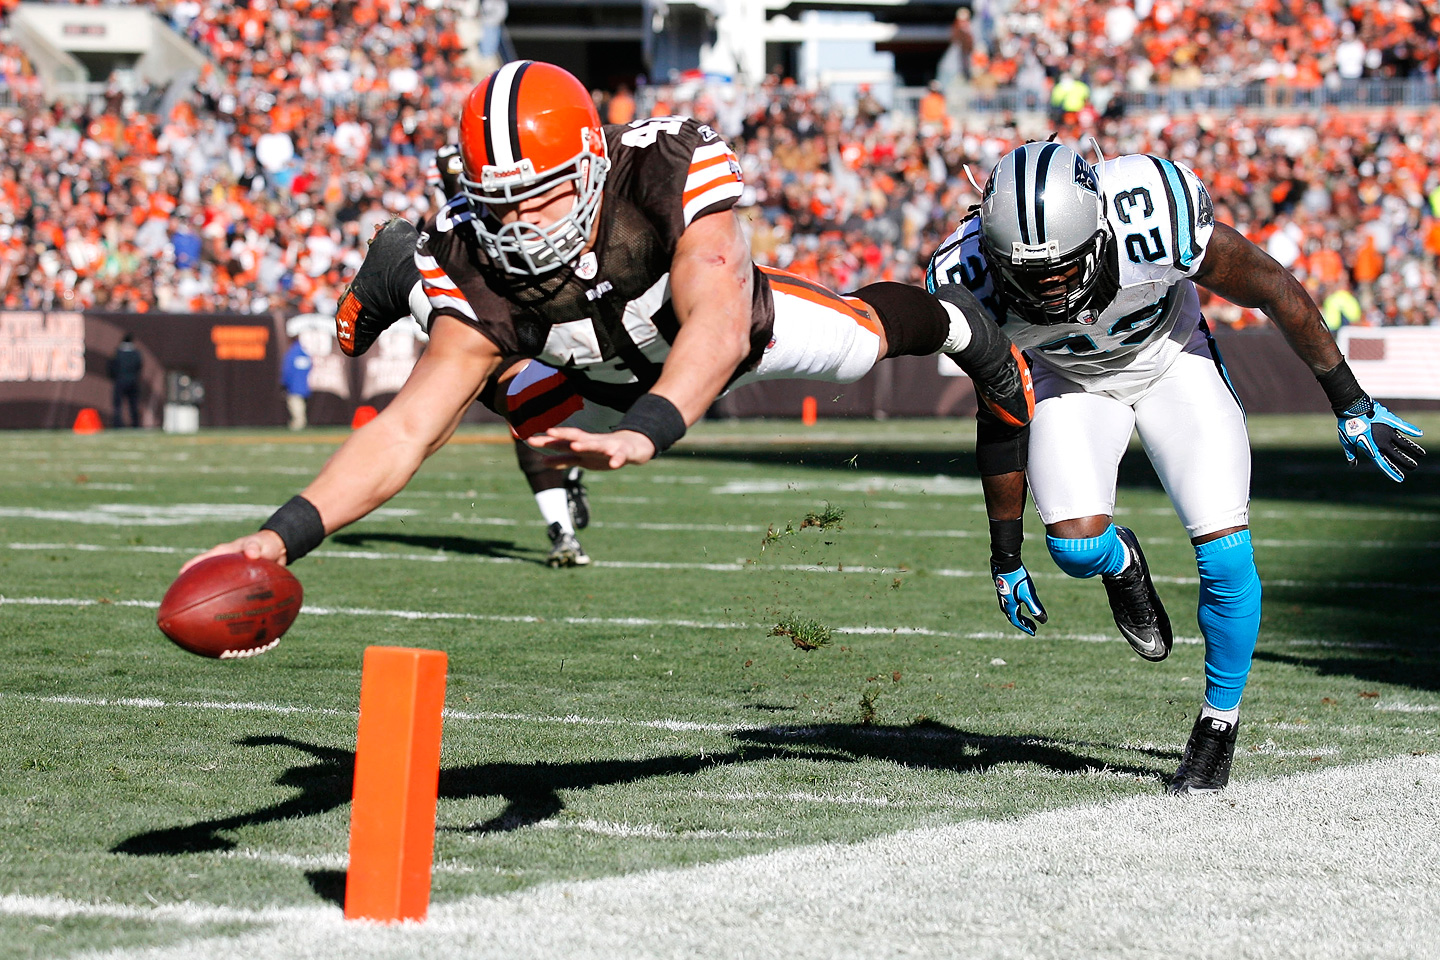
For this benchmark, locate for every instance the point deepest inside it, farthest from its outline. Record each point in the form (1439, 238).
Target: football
(230, 606)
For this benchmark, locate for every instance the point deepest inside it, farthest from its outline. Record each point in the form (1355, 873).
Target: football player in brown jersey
(633, 321)
(386, 288)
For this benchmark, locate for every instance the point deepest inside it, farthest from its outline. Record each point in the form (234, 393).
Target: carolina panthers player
(1092, 271)
(387, 287)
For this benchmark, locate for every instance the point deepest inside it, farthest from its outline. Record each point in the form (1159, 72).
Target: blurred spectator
(1339, 309)
(124, 371)
(622, 106)
(295, 378)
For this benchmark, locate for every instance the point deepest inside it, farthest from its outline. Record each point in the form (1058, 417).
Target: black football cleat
(565, 550)
(1205, 768)
(1136, 606)
(578, 498)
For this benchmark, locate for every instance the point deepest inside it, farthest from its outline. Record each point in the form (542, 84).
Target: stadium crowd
(317, 121)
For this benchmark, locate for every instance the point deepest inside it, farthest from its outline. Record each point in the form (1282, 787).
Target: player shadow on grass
(938, 746)
(532, 790)
(461, 546)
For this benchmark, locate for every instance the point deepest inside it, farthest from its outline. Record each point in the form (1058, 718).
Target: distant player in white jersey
(1092, 271)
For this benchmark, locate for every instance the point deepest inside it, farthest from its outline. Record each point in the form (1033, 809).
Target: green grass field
(640, 713)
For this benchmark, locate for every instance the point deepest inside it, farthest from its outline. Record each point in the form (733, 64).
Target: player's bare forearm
(711, 286)
(1004, 495)
(378, 460)
(1247, 276)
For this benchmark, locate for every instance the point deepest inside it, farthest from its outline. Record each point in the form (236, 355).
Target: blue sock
(1229, 615)
(1086, 558)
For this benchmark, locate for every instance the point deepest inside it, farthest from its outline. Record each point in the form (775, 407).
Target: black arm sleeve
(380, 293)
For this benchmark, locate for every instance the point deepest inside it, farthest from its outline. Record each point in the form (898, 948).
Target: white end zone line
(737, 566)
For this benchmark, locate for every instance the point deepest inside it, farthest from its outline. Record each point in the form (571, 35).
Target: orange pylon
(88, 421)
(363, 415)
(397, 780)
(809, 411)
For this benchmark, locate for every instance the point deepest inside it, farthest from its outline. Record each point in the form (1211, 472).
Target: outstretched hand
(1016, 592)
(263, 544)
(595, 451)
(1381, 437)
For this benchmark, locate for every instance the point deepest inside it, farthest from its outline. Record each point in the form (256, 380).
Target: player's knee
(1084, 558)
(1228, 578)
(914, 322)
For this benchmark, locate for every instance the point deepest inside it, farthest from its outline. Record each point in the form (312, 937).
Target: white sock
(1229, 716)
(959, 336)
(555, 508)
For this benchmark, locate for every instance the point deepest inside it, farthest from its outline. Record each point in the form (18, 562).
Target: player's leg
(1076, 442)
(821, 335)
(1194, 432)
(539, 397)
(548, 484)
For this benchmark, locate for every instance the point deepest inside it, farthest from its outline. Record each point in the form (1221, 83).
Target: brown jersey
(606, 318)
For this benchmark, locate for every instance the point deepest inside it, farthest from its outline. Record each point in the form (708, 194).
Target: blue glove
(1014, 589)
(1367, 427)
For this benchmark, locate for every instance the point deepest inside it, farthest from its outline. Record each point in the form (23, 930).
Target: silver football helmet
(1043, 232)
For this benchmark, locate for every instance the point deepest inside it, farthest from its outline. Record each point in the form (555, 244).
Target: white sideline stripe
(734, 567)
(649, 831)
(897, 631)
(186, 912)
(164, 515)
(152, 703)
(320, 611)
(800, 796)
(1053, 885)
(1400, 706)
(324, 861)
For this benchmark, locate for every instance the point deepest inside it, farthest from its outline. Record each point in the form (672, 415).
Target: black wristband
(299, 525)
(655, 417)
(1341, 387)
(1006, 537)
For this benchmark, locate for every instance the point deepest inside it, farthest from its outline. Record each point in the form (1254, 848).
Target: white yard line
(737, 566)
(153, 703)
(1335, 864)
(442, 615)
(866, 630)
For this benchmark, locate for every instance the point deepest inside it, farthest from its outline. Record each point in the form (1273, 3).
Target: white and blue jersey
(1160, 219)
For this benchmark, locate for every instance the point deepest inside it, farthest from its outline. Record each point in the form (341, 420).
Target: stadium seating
(317, 122)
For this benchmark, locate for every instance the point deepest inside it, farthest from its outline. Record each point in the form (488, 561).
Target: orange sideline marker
(363, 415)
(397, 780)
(809, 411)
(88, 421)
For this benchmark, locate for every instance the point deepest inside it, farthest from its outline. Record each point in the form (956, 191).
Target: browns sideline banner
(54, 364)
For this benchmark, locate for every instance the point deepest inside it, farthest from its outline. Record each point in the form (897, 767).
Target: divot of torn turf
(1340, 863)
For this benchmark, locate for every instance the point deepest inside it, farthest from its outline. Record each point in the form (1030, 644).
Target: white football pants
(1191, 426)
